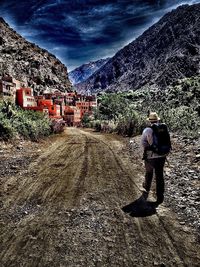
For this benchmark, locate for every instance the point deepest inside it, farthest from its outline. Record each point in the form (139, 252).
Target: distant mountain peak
(83, 72)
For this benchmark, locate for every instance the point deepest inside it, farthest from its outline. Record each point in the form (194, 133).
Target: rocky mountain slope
(83, 72)
(28, 62)
(167, 51)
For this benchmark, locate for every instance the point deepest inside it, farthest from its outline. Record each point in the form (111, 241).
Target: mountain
(83, 72)
(167, 51)
(27, 62)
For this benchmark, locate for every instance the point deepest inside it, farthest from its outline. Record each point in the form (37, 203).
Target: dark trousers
(157, 165)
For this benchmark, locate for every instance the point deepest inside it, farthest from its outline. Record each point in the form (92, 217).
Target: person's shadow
(140, 207)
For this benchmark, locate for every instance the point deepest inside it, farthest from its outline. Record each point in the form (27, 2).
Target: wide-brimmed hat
(153, 116)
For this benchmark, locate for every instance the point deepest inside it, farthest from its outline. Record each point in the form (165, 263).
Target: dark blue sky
(79, 31)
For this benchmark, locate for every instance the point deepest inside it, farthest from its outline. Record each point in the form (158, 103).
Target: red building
(70, 98)
(69, 115)
(54, 110)
(25, 98)
(86, 104)
(70, 106)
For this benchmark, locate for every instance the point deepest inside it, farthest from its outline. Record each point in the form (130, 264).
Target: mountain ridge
(28, 62)
(164, 53)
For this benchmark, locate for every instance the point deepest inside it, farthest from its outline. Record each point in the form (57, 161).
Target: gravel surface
(66, 202)
(182, 178)
(183, 181)
(182, 171)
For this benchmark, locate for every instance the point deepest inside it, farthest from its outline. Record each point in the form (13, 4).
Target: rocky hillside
(167, 51)
(28, 62)
(83, 72)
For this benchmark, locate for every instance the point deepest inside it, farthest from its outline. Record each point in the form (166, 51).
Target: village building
(70, 98)
(25, 98)
(7, 89)
(69, 115)
(48, 104)
(72, 116)
(19, 84)
(77, 117)
(86, 104)
(70, 106)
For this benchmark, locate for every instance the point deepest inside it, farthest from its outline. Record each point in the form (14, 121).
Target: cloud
(79, 31)
(103, 10)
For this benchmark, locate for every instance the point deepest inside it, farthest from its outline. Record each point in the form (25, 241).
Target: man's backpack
(161, 139)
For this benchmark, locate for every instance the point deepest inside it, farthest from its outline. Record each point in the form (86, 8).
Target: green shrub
(6, 130)
(130, 123)
(178, 106)
(16, 121)
(97, 126)
(57, 126)
(183, 120)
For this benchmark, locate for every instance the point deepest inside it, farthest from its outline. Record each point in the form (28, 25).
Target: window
(8, 87)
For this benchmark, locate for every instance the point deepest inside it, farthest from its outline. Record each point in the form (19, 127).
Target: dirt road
(67, 211)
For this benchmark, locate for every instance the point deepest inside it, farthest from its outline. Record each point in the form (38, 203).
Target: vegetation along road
(72, 209)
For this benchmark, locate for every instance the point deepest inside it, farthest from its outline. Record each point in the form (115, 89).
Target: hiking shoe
(144, 192)
(159, 201)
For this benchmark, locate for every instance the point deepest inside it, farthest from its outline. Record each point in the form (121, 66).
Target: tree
(112, 105)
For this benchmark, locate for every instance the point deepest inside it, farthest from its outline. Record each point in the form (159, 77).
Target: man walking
(156, 144)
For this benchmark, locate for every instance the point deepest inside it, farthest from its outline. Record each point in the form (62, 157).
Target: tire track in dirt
(121, 172)
(119, 165)
(78, 220)
(45, 193)
(47, 177)
(167, 235)
(100, 145)
(123, 242)
(32, 182)
(79, 186)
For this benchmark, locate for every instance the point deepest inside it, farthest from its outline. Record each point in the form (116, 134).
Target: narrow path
(68, 211)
